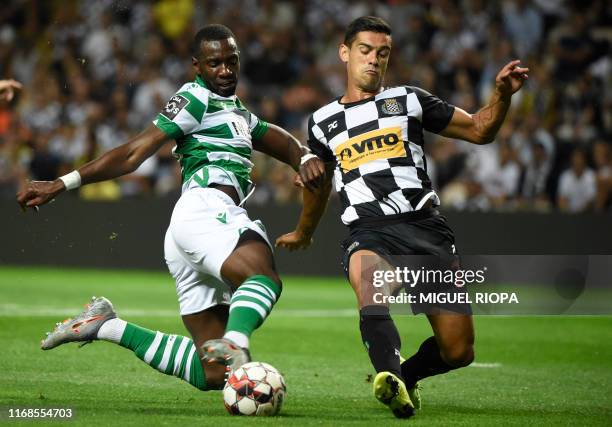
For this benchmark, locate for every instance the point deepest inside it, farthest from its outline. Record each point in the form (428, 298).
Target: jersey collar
(361, 101)
(199, 80)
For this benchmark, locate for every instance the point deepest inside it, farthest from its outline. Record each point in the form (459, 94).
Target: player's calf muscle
(458, 355)
(251, 258)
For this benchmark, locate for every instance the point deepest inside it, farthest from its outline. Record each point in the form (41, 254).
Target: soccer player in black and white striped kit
(371, 139)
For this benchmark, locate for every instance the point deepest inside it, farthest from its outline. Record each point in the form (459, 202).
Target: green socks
(249, 307)
(170, 354)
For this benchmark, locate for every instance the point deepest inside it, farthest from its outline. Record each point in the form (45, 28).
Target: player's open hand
(36, 193)
(8, 88)
(294, 240)
(511, 78)
(312, 174)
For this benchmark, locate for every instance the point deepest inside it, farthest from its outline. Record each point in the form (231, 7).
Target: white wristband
(306, 157)
(71, 180)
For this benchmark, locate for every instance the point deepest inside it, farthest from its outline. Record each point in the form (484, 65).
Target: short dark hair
(209, 33)
(365, 23)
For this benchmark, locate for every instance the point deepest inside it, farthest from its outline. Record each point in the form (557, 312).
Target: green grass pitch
(530, 370)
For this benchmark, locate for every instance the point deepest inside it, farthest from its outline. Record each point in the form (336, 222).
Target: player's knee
(460, 355)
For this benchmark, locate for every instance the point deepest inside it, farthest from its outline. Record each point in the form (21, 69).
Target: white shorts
(204, 230)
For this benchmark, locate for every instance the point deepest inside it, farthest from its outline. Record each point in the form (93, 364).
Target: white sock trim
(258, 286)
(238, 338)
(112, 330)
(258, 297)
(248, 304)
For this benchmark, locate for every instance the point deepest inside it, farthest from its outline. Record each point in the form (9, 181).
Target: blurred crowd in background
(96, 72)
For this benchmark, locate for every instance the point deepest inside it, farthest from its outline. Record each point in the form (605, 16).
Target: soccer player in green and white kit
(221, 260)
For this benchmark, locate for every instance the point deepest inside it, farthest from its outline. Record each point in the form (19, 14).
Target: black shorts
(425, 233)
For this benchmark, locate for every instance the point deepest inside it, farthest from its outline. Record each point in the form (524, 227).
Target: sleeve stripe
(259, 130)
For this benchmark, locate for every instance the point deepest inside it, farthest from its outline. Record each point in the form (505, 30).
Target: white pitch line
(15, 310)
(485, 365)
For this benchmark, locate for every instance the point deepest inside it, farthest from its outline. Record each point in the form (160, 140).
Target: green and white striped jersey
(213, 136)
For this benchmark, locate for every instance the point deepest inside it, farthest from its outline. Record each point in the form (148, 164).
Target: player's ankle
(112, 330)
(215, 375)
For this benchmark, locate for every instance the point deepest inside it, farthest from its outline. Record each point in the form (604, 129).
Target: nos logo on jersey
(377, 144)
(174, 106)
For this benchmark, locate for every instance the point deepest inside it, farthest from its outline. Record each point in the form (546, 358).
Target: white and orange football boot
(82, 328)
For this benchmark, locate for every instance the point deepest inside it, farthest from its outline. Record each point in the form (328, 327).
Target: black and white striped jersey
(377, 147)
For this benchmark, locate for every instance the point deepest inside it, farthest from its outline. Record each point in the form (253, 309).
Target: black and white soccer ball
(256, 388)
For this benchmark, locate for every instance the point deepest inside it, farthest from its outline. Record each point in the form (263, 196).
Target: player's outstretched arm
(119, 161)
(280, 144)
(481, 127)
(314, 203)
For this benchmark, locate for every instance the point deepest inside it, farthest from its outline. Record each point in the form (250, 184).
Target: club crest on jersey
(392, 107)
(383, 143)
(174, 106)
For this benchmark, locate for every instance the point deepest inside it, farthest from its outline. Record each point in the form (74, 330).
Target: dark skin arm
(119, 161)
(482, 127)
(281, 145)
(314, 203)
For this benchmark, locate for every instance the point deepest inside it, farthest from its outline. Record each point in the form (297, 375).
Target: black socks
(425, 363)
(381, 338)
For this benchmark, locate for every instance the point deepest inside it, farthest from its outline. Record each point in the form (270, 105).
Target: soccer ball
(255, 388)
